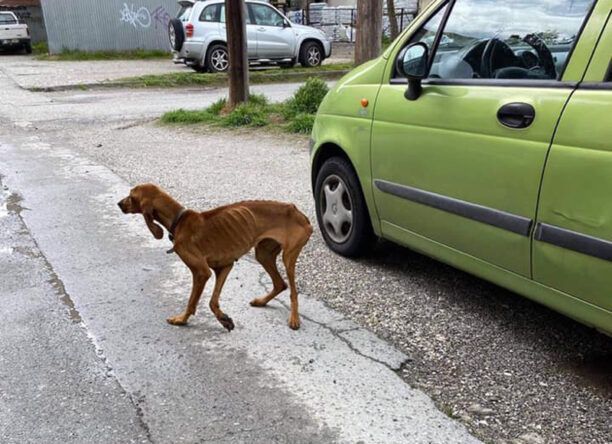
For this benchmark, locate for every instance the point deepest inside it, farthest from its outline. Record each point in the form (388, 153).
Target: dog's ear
(155, 229)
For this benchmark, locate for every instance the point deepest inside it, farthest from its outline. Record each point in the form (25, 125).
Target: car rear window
(7, 19)
(184, 13)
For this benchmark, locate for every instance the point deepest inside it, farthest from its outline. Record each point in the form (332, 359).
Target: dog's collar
(175, 222)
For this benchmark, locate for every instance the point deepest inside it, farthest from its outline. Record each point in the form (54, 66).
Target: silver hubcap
(172, 38)
(337, 209)
(314, 56)
(219, 60)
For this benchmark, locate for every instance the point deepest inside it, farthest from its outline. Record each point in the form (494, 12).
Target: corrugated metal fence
(92, 25)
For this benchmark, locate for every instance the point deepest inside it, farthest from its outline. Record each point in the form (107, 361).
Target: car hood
(301, 29)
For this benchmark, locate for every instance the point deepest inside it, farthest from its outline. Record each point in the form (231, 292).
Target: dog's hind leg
(220, 277)
(266, 253)
(290, 256)
(200, 276)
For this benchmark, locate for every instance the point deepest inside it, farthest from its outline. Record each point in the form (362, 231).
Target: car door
(275, 39)
(572, 251)
(462, 164)
(251, 33)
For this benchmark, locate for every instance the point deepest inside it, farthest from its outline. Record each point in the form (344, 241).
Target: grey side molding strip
(490, 216)
(571, 240)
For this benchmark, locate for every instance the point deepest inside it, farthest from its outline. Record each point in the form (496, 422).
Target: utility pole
(368, 44)
(238, 71)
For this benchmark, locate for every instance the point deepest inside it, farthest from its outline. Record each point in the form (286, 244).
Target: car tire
(342, 213)
(28, 48)
(311, 54)
(217, 58)
(176, 34)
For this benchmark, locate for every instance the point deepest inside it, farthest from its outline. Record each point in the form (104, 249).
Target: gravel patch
(512, 370)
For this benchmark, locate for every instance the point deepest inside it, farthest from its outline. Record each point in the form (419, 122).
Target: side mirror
(414, 65)
(286, 24)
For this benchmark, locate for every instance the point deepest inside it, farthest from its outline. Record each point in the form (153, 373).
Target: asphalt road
(86, 354)
(507, 368)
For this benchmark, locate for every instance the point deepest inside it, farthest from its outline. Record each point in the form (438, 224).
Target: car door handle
(262, 29)
(516, 115)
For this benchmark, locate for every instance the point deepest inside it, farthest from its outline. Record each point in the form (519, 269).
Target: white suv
(198, 37)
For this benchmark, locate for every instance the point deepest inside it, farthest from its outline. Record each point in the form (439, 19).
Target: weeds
(296, 115)
(78, 55)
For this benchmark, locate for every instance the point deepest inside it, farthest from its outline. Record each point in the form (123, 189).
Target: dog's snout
(121, 205)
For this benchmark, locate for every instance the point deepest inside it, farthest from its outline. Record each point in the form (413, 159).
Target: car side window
(211, 13)
(266, 16)
(222, 15)
(498, 39)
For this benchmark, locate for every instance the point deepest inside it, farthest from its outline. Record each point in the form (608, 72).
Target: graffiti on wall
(136, 17)
(161, 17)
(143, 18)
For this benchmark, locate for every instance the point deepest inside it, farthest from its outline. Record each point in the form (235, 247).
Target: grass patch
(178, 79)
(77, 55)
(40, 48)
(296, 115)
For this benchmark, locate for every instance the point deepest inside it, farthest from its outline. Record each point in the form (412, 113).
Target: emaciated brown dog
(214, 240)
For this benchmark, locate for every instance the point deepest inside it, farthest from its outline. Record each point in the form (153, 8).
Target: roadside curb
(136, 84)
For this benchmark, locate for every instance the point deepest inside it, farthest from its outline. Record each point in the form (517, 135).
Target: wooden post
(238, 71)
(369, 30)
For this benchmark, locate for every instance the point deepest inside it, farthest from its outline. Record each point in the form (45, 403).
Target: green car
(482, 137)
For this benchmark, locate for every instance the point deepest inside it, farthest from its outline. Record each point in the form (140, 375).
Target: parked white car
(198, 37)
(14, 34)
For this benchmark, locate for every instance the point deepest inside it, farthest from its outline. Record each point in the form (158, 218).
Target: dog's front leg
(200, 276)
(220, 277)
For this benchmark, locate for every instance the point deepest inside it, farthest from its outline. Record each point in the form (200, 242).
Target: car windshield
(7, 19)
(524, 27)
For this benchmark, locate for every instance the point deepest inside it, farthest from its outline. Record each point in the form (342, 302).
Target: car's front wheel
(311, 55)
(217, 58)
(342, 213)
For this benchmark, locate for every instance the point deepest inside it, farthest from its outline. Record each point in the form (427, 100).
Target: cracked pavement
(86, 354)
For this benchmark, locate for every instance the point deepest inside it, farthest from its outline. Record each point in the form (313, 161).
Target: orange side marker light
(365, 103)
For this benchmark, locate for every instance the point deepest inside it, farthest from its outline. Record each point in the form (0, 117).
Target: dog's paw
(257, 303)
(177, 320)
(227, 322)
(294, 324)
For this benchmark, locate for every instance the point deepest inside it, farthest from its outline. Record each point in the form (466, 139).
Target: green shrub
(246, 114)
(187, 117)
(258, 100)
(301, 123)
(216, 108)
(308, 98)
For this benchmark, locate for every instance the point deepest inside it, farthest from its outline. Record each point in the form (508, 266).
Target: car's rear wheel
(28, 48)
(217, 58)
(311, 55)
(176, 34)
(342, 213)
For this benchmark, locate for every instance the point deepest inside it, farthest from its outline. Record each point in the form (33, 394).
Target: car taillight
(189, 30)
